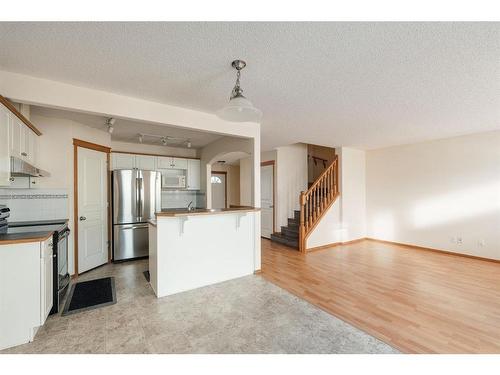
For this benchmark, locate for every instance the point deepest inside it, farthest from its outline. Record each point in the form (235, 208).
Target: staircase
(316, 201)
(289, 235)
(313, 205)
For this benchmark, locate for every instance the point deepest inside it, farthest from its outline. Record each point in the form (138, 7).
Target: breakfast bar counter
(192, 248)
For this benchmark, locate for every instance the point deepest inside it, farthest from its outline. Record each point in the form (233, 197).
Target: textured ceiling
(128, 131)
(364, 85)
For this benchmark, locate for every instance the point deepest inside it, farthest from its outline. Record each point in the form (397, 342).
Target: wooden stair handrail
(317, 200)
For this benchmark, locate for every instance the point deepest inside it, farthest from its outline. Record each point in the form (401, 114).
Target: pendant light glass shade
(239, 108)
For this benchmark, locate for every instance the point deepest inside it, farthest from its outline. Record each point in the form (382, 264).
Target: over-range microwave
(173, 182)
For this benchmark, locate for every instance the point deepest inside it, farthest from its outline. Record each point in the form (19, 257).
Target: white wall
(428, 194)
(291, 179)
(352, 193)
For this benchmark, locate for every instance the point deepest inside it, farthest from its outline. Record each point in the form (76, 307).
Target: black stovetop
(32, 228)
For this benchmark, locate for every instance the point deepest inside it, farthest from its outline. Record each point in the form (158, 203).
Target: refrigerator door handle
(140, 197)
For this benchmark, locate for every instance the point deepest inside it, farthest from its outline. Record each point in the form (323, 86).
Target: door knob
(82, 218)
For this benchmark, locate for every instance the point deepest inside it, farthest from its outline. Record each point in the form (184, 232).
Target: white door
(267, 200)
(92, 209)
(218, 190)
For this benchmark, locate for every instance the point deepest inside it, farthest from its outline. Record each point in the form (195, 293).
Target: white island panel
(198, 250)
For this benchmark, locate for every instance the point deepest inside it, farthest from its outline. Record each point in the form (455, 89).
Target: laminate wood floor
(415, 300)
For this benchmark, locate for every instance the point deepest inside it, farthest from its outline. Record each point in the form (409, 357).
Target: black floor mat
(146, 275)
(88, 295)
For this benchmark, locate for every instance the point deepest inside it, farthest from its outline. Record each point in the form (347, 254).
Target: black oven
(60, 274)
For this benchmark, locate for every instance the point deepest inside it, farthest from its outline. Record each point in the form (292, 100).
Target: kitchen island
(191, 249)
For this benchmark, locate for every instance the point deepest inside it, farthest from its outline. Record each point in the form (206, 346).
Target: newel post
(302, 229)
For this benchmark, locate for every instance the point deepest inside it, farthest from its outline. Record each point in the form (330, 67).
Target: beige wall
(431, 193)
(216, 150)
(246, 182)
(315, 169)
(233, 182)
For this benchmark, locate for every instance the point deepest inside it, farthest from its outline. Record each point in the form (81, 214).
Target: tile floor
(246, 315)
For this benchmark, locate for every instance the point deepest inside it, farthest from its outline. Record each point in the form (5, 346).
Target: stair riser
(290, 233)
(285, 241)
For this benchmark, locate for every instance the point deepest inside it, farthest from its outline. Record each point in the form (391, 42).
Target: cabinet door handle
(24, 154)
(82, 218)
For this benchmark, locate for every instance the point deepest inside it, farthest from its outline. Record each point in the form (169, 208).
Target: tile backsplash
(181, 198)
(35, 204)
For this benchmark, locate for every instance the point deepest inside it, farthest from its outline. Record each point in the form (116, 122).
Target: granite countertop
(203, 211)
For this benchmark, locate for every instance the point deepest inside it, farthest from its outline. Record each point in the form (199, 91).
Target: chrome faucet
(189, 208)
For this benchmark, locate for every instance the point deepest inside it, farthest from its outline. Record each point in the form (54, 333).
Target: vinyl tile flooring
(245, 315)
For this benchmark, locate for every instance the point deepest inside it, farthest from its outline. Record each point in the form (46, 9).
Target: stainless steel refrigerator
(136, 198)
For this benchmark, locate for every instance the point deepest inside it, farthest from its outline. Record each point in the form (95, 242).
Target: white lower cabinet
(46, 280)
(25, 290)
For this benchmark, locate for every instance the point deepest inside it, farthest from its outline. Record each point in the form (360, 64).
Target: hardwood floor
(414, 300)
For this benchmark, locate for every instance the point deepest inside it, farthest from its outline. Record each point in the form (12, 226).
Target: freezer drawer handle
(135, 226)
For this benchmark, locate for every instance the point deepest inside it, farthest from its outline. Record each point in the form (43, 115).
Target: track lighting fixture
(110, 122)
(165, 140)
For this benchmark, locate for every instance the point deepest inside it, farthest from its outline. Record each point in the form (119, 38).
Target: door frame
(265, 164)
(107, 150)
(225, 184)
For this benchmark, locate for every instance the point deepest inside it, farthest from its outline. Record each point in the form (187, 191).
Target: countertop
(27, 231)
(203, 211)
(6, 238)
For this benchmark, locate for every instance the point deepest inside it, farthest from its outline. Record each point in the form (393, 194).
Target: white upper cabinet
(167, 162)
(189, 167)
(145, 162)
(178, 163)
(16, 127)
(5, 119)
(23, 141)
(122, 161)
(193, 174)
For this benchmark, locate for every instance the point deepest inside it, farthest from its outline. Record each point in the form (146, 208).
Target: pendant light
(239, 108)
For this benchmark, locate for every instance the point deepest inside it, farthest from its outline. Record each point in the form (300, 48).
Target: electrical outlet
(481, 242)
(459, 240)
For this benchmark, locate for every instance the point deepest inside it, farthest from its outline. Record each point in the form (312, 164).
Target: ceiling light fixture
(239, 108)
(110, 122)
